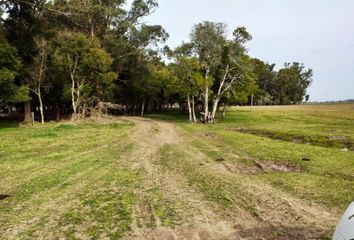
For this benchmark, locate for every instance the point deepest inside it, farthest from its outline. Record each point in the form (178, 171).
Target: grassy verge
(326, 175)
(66, 181)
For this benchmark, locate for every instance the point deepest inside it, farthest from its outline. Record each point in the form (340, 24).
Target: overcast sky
(318, 33)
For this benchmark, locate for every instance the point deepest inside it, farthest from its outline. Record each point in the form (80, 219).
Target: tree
(265, 75)
(87, 66)
(38, 71)
(9, 67)
(189, 81)
(23, 22)
(92, 42)
(208, 39)
(291, 83)
(235, 66)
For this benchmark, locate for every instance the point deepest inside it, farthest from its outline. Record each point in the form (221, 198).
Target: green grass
(215, 187)
(171, 116)
(323, 125)
(84, 181)
(327, 178)
(66, 169)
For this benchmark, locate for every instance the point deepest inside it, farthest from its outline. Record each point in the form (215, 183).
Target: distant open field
(265, 173)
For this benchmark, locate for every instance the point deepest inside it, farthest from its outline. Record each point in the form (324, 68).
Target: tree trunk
(193, 110)
(189, 108)
(83, 110)
(142, 108)
(224, 110)
(206, 98)
(27, 116)
(73, 99)
(215, 108)
(40, 105)
(251, 102)
(57, 112)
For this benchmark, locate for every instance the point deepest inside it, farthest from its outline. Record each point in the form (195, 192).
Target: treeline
(66, 58)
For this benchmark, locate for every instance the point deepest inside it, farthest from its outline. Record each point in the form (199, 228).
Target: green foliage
(291, 83)
(10, 65)
(82, 58)
(286, 86)
(208, 39)
(189, 78)
(90, 43)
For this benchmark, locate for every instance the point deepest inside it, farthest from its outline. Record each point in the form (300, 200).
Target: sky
(318, 33)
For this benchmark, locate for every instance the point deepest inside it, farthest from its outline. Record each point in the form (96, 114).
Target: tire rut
(198, 220)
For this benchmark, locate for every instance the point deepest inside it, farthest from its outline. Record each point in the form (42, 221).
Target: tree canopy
(64, 58)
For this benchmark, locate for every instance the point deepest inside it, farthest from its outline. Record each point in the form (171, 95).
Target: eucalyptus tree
(87, 67)
(38, 72)
(208, 39)
(265, 75)
(189, 81)
(291, 83)
(235, 68)
(225, 62)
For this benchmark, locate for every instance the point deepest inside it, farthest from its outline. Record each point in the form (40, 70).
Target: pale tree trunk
(81, 104)
(215, 108)
(222, 89)
(143, 108)
(206, 98)
(40, 104)
(27, 113)
(74, 101)
(40, 62)
(79, 108)
(218, 96)
(193, 110)
(189, 108)
(83, 110)
(251, 102)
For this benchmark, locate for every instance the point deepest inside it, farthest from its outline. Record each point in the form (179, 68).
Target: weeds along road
(116, 180)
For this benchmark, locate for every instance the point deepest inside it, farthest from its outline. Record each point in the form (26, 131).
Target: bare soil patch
(4, 196)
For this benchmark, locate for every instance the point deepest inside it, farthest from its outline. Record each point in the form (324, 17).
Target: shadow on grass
(170, 116)
(7, 125)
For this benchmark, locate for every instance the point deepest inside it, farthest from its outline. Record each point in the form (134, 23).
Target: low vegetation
(162, 176)
(316, 141)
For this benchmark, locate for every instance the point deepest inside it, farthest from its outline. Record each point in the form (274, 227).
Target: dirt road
(275, 215)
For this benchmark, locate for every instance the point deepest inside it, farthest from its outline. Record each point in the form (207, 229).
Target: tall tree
(22, 23)
(235, 66)
(38, 72)
(189, 81)
(291, 83)
(87, 67)
(265, 75)
(208, 39)
(9, 66)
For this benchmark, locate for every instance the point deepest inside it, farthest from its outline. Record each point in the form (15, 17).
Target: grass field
(268, 173)
(322, 135)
